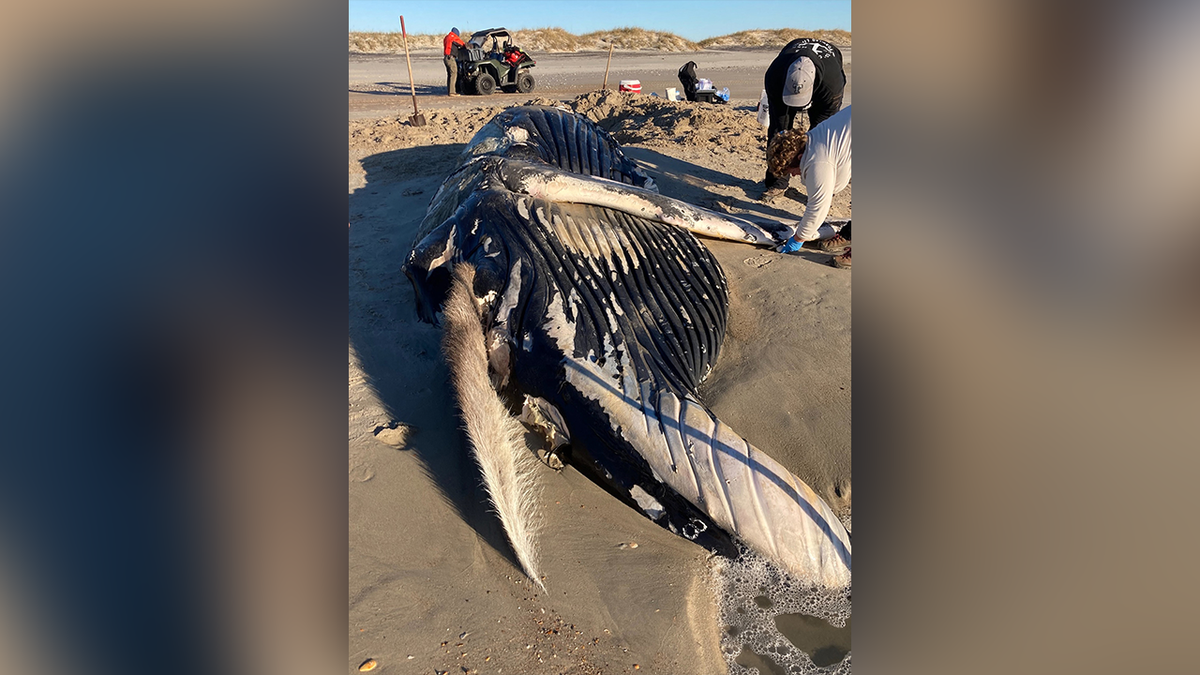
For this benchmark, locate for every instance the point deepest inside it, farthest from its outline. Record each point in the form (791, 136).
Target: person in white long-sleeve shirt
(822, 159)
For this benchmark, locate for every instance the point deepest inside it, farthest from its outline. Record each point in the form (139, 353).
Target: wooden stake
(417, 119)
(605, 85)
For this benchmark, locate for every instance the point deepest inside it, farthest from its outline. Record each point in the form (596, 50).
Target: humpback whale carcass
(564, 276)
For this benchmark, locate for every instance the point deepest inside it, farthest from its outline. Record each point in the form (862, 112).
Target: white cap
(798, 87)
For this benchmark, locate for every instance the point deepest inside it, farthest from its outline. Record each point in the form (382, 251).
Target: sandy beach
(433, 586)
(378, 84)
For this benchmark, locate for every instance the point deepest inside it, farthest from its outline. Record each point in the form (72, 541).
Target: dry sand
(433, 587)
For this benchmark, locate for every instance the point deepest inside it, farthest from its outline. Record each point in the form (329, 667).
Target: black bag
(687, 78)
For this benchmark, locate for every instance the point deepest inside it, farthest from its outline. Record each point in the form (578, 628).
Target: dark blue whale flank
(570, 142)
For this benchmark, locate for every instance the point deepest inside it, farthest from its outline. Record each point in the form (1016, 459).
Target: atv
(491, 60)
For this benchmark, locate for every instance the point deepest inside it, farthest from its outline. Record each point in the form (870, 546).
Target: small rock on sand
(394, 434)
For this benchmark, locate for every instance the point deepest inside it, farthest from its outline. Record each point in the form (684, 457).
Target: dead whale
(566, 281)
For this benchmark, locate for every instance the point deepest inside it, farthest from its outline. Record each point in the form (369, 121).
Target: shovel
(417, 119)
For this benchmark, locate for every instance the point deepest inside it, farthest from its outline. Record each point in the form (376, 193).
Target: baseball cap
(798, 87)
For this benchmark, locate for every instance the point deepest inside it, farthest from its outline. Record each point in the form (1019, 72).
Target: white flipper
(547, 183)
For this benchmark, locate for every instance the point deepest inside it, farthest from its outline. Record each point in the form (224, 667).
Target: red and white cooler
(632, 86)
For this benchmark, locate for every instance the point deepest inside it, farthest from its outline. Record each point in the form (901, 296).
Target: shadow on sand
(401, 356)
(400, 89)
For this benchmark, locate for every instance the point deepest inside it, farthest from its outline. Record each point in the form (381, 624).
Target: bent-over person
(806, 76)
(821, 158)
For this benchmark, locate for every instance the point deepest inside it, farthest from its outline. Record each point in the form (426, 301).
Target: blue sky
(692, 19)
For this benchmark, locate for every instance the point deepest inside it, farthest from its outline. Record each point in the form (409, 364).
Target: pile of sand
(688, 130)
(630, 118)
(653, 121)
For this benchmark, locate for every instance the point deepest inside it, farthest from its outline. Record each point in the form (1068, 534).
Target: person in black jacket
(806, 76)
(687, 78)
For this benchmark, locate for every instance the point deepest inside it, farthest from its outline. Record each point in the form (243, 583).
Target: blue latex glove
(790, 246)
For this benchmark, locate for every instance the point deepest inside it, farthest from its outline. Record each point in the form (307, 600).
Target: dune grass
(775, 37)
(639, 38)
(628, 38)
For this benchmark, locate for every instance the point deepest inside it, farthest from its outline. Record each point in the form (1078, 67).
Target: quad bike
(491, 60)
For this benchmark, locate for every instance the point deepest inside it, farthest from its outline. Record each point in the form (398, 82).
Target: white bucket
(633, 86)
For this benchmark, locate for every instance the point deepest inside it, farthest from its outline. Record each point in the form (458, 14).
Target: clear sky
(692, 19)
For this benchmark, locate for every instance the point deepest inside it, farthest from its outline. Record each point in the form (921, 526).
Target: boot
(775, 185)
(831, 245)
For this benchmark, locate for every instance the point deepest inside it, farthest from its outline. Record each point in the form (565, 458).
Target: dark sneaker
(842, 261)
(831, 245)
(846, 231)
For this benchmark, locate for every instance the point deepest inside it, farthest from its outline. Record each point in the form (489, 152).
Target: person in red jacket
(452, 38)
